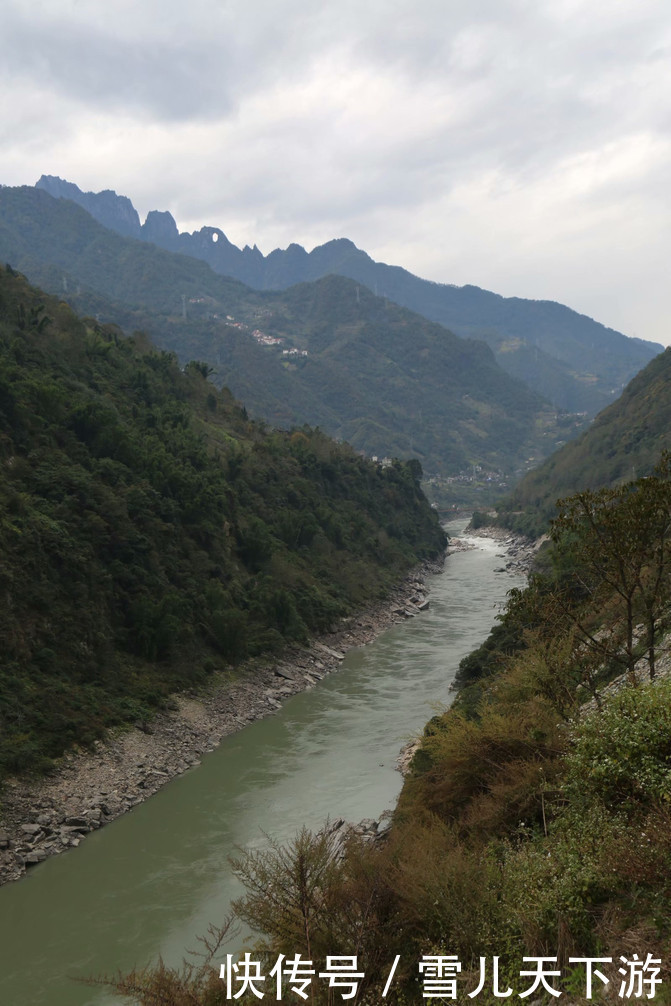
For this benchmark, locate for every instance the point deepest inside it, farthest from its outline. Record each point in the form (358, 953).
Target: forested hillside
(624, 442)
(150, 533)
(328, 353)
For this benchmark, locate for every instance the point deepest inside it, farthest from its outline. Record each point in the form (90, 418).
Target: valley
(186, 552)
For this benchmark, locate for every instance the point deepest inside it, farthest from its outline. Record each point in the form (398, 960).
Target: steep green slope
(573, 361)
(625, 441)
(569, 358)
(378, 376)
(150, 533)
(388, 381)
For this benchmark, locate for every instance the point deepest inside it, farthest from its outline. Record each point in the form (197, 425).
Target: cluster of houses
(263, 338)
(476, 474)
(232, 323)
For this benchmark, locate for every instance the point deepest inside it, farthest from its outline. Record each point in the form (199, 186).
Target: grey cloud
(294, 121)
(159, 61)
(168, 81)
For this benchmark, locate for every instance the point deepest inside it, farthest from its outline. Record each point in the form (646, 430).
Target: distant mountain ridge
(570, 359)
(328, 353)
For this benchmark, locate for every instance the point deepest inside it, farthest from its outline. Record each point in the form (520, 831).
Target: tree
(654, 574)
(288, 890)
(199, 367)
(620, 544)
(195, 983)
(323, 894)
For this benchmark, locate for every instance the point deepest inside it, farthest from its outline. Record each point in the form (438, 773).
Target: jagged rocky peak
(109, 209)
(342, 244)
(211, 236)
(160, 227)
(337, 251)
(295, 251)
(57, 187)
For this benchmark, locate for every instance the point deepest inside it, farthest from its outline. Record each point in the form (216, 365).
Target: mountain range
(573, 361)
(328, 353)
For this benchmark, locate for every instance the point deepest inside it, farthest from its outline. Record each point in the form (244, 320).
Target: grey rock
(368, 824)
(37, 856)
(331, 652)
(283, 672)
(31, 829)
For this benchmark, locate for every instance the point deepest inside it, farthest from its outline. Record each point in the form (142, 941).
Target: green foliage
(479, 519)
(504, 639)
(147, 536)
(619, 540)
(289, 893)
(624, 443)
(622, 753)
(199, 367)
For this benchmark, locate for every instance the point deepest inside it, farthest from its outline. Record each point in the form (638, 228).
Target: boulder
(31, 830)
(336, 654)
(37, 856)
(283, 672)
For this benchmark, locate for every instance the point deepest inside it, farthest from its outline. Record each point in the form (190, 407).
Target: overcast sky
(520, 145)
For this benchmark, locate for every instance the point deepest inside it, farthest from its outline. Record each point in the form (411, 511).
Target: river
(150, 882)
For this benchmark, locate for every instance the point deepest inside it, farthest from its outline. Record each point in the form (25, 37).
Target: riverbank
(519, 551)
(41, 818)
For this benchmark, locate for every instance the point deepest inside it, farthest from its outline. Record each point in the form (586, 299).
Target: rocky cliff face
(109, 209)
(161, 229)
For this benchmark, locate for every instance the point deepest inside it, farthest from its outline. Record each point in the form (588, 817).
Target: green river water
(150, 882)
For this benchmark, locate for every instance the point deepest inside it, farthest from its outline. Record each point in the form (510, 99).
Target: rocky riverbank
(45, 817)
(518, 551)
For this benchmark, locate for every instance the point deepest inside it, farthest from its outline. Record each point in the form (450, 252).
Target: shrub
(622, 754)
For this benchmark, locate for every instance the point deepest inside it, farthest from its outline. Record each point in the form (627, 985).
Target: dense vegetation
(150, 533)
(624, 442)
(536, 819)
(573, 361)
(386, 380)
